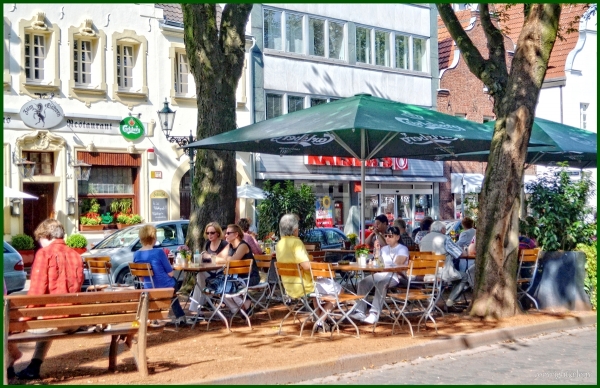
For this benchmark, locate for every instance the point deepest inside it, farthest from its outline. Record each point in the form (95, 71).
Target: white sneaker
(372, 318)
(358, 316)
(449, 303)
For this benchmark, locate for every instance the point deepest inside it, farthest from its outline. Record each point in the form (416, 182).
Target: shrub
(89, 221)
(136, 219)
(122, 218)
(76, 241)
(22, 242)
(591, 271)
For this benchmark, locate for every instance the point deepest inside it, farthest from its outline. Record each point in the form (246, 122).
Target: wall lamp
(26, 168)
(82, 170)
(15, 207)
(71, 206)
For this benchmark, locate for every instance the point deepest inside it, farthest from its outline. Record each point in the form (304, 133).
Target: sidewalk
(261, 356)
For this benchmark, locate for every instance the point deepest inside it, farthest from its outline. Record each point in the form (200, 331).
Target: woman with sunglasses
(393, 253)
(214, 245)
(238, 249)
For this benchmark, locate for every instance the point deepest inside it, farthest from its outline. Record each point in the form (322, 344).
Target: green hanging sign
(131, 128)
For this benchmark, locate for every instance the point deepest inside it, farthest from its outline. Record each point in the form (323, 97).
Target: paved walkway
(564, 357)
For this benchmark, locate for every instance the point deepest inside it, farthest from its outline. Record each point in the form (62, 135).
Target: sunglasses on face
(389, 235)
(228, 233)
(210, 233)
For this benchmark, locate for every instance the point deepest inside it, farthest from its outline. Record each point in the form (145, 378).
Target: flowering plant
(352, 237)
(184, 251)
(362, 249)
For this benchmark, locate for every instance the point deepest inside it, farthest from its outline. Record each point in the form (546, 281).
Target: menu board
(159, 206)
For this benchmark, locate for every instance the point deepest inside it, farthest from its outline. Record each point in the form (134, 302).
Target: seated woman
(163, 272)
(393, 253)
(214, 245)
(237, 249)
(244, 223)
(290, 249)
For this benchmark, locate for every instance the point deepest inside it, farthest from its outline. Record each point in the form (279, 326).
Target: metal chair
(528, 265)
(98, 265)
(290, 276)
(262, 290)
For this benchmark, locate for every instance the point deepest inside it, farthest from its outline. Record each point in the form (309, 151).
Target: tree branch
(232, 37)
(495, 40)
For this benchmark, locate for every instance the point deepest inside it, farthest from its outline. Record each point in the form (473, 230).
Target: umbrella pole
(362, 186)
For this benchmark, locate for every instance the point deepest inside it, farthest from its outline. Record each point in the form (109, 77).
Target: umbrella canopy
(249, 191)
(9, 192)
(363, 127)
(576, 146)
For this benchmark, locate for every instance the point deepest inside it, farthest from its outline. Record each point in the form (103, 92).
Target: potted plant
(558, 223)
(78, 242)
(353, 240)
(24, 244)
(90, 220)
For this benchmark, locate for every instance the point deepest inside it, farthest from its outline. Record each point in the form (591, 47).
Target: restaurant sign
(41, 113)
(131, 128)
(393, 163)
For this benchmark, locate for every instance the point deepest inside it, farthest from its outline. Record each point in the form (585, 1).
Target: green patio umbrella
(362, 127)
(569, 144)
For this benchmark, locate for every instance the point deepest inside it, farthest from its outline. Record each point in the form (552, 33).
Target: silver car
(14, 271)
(121, 245)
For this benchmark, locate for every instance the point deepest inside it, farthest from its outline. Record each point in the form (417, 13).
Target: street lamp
(166, 118)
(82, 170)
(26, 168)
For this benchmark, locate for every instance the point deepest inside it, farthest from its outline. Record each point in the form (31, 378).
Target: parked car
(14, 271)
(330, 238)
(121, 245)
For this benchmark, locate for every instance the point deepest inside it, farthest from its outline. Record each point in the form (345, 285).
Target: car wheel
(125, 277)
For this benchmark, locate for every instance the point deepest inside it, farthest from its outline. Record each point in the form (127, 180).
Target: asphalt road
(565, 357)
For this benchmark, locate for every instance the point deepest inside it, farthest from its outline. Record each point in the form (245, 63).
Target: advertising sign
(324, 209)
(393, 163)
(131, 128)
(41, 114)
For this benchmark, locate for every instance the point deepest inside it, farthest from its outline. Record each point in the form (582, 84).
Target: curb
(352, 363)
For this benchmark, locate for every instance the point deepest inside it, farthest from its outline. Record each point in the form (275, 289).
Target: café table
(191, 270)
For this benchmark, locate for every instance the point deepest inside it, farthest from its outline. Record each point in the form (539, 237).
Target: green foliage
(135, 219)
(76, 240)
(90, 205)
(471, 204)
(121, 205)
(559, 206)
(22, 242)
(122, 218)
(283, 199)
(591, 270)
(89, 221)
(129, 219)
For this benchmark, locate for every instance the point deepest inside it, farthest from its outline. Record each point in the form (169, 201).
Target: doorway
(36, 211)
(185, 197)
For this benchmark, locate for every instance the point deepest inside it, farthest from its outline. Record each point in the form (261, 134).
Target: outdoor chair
(312, 246)
(317, 256)
(98, 265)
(260, 293)
(343, 303)
(237, 274)
(290, 275)
(417, 302)
(528, 265)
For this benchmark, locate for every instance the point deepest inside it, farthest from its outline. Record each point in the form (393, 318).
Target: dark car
(329, 238)
(14, 273)
(121, 245)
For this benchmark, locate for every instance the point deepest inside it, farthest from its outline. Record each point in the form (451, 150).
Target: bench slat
(88, 297)
(81, 321)
(119, 329)
(97, 309)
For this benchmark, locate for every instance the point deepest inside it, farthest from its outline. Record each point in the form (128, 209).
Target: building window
(82, 62)
(272, 26)
(363, 45)
(44, 162)
(34, 57)
(336, 41)
(182, 74)
(382, 48)
(316, 37)
(274, 105)
(419, 54)
(293, 33)
(125, 64)
(583, 107)
(401, 52)
(317, 101)
(295, 103)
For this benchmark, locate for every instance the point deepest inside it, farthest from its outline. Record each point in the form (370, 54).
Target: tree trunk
(216, 58)
(515, 100)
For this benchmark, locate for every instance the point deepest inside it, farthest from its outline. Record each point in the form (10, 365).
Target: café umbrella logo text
(131, 128)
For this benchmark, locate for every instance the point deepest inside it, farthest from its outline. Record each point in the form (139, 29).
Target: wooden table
(353, 266)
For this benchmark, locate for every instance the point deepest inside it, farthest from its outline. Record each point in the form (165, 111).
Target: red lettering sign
(393, 163)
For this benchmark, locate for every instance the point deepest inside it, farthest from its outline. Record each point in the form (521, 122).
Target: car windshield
(120, 239)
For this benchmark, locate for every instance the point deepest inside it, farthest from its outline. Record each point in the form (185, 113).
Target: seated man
(437, 242)
(290, 249)
(379, 227)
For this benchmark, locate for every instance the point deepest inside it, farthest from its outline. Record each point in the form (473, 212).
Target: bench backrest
(82, 309)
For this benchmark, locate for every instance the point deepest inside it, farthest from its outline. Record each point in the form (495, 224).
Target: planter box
(560, 283)
(27, 256)
(90, 228)
(121, 226)
(80, 250)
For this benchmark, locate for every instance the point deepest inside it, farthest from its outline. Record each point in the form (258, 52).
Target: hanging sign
(324, 216)
(131, 128)
(41, 114)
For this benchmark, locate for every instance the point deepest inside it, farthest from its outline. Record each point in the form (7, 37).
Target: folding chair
(528, 265)
(289, 275)
(262, 290)
(341, 308)
(216, 301)
(317, 256)
(421, 301)
(98, 265)
(313, 246)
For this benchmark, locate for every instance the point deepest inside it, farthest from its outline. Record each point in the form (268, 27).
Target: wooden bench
(123, 310)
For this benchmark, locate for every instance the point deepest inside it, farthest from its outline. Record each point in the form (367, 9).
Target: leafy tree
(515, 96)
(216, 57)
(558, 205)
(284, 199)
